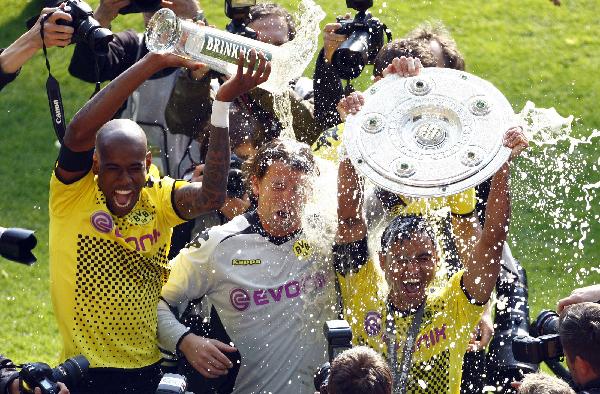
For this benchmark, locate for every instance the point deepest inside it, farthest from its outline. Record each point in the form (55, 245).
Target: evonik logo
(242, 299)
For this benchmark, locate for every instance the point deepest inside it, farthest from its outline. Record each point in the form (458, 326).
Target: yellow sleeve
(65, 196)
(326, 146)
(165, 188)
(465, 310)
(462, 203)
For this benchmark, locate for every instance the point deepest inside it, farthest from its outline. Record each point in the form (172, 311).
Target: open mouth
(411, 286)
(123, 198)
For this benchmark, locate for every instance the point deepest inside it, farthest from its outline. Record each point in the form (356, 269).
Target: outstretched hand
(206, 355)
(350, 104)
(516, 140)
(245, 81)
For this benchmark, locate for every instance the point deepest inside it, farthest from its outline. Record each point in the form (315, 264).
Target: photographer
(360, 370)
(20, 51)
(9, 379)
(541, 383)
(583, 294)
(580, 338)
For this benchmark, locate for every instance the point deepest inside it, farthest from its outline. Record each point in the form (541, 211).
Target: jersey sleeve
(63, 196)
(466, 311)
(327, 144)
(166, 188)
(463, 203)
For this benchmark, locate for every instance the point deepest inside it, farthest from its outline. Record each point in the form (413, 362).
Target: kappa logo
(245, 262)
(302, 249)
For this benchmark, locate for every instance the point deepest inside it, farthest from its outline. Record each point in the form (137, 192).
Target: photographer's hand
(245, 81)
(14, 388)
(206, 355)
(109, 10)
(20, 51)
(332, 40)
(584, 294)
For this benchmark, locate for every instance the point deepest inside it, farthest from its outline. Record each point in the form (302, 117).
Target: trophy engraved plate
(432, 135)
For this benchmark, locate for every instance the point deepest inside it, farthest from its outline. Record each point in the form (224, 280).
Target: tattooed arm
(196, 198)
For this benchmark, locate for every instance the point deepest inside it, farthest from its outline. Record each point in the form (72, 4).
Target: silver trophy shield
(432, 135)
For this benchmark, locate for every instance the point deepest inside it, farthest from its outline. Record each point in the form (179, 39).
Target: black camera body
(544, 345)
(239, 13)
(339, 338)
(138, 6)
(72, 373)
(365, 39)
(87, 29)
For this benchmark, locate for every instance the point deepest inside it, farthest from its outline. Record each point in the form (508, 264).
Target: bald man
(111, 225)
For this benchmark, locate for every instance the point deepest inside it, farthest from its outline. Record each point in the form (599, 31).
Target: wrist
(104, 17)
(220, 113)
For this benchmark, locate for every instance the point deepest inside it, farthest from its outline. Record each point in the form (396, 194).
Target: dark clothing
(126, 381)
(592, 387)
(6, 78)
(8, 373)
(328, 93)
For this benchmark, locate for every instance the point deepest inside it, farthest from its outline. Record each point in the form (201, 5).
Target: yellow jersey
(326, 147)
(448, 320)
(106, 272)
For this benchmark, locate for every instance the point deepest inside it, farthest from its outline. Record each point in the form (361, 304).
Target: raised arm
(351, 224)
(196, 198)
(483, 267)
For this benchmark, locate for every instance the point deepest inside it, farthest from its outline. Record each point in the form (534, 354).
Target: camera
(172, 383)
(339, 338)
(545, 345)
(238, 11)
(511, 321)
(365, 39)
(138, 6)
(72, 373)
(16, 245)
(87, 29)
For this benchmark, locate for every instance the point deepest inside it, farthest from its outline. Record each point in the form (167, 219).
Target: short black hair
(403, 228)
(359, 370)
(580, 333)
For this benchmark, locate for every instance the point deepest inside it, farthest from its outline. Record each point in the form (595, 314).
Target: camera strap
(57, 111)
(55, 102)
(400, 376)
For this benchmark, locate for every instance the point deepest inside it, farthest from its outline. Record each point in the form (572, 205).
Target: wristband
(220, 114)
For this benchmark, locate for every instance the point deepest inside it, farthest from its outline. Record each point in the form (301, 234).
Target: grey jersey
(272, 296)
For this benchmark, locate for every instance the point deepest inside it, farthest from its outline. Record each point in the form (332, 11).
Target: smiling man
(423, 332)
(111, 225)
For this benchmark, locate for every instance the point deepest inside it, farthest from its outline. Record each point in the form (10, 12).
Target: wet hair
(264, 10)
(290, 152)
(436, 31)
(580, 333)
(404, 47)
(359, 370)
(541, 383)
(404, 228)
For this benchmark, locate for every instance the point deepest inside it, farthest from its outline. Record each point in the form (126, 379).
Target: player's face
(409, 268)
(121, 174)
(271, 29)
(281, 197)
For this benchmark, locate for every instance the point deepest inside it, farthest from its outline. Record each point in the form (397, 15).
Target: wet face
(271, 29)
(281, 194)
(121, 169)
(409, 267)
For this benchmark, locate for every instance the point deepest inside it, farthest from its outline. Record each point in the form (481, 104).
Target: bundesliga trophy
(432, 135)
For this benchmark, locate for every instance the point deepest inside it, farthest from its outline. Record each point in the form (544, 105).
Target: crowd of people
(177, 239)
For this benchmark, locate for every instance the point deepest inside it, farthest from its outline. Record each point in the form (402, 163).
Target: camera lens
(72, 372)
(546, 323)
(352, 56)
(101, 37)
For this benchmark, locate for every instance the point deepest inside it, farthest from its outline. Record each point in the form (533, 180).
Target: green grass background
(530, 49)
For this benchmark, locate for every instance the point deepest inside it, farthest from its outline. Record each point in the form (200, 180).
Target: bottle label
(220, 48)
